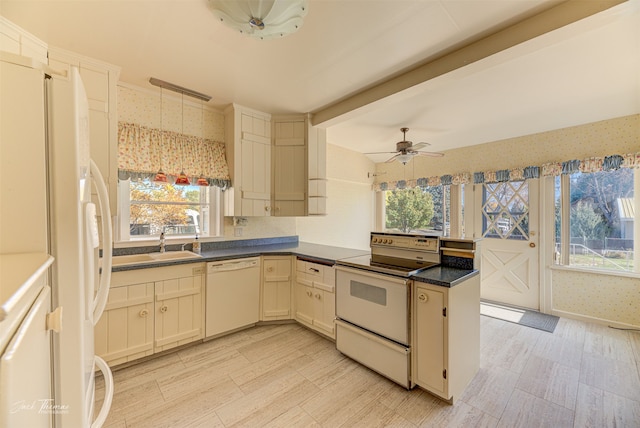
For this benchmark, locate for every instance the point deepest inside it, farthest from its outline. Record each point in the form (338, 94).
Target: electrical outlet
(237, 231)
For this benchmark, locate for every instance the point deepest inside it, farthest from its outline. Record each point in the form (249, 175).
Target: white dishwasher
(233, 295)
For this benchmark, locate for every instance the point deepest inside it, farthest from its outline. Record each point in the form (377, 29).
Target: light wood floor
(582, 375)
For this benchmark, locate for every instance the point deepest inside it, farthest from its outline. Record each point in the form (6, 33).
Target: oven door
(376, 302)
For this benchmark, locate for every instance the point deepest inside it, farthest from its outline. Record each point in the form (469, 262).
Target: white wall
(349, 218)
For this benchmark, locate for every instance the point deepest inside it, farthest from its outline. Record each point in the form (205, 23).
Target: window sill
(623, 274)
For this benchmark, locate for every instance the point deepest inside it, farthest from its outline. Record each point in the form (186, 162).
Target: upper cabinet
(277, 164)
(100, 83)
(317, 161)
(248, 146)
(17, 41)
(289, 166)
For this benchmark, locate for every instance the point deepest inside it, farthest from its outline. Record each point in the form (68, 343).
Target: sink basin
(175, 255)
(130, 259)
(153, 257)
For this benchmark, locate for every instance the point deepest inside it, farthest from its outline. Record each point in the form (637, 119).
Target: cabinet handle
(318, 296)
(423, 297)
(314, 270)
(163, 309)
(143, 313)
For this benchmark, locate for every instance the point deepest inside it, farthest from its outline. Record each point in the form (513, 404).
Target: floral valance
(143, 151)
(594, 164)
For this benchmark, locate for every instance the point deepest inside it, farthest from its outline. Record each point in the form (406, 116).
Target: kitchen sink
(132, 259)
(175, 255)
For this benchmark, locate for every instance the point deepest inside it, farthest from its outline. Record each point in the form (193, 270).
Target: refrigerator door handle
(108, 392)
(107, 244)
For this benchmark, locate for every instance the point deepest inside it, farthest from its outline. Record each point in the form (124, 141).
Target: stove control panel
(411, 242)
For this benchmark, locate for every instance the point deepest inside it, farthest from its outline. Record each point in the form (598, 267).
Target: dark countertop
(314, 252)
(445, 276)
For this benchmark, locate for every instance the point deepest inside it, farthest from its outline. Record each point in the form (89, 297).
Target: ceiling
(584, 72)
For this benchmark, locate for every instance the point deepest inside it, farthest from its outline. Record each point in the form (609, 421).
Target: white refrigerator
(34, 107)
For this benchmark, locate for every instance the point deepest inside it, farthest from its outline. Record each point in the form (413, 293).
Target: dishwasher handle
(233, 265)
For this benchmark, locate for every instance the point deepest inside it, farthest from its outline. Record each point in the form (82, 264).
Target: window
(595, 228)
(421, 210)
(505, 210)
(148, 208)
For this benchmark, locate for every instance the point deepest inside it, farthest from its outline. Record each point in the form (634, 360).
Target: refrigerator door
(73, 229)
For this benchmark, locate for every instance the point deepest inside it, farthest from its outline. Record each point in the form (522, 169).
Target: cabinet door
(324, 311)
(304, 300)
(125, 330)
(289, 168)
(276, 289)
(25, 370)
(255, 152)
(428, 351)
(178, 311)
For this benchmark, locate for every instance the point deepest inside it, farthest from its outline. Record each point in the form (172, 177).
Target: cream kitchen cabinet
(275, 301)
(315, 296)
(151, 310)
(446, 337)
(248, 148)
(289, 166)
(17, 41)
(317, 170)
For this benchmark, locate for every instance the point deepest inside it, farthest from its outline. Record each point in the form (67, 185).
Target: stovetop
(365, 263)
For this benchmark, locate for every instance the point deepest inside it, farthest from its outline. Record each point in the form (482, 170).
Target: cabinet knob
(309, 293)
(423, 297)
(164, 309)
(318, 296)
(270, 269)
(143, 313)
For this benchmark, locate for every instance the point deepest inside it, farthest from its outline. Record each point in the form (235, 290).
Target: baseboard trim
(595, 320)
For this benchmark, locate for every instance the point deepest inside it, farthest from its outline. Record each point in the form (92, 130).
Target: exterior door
(508, 221)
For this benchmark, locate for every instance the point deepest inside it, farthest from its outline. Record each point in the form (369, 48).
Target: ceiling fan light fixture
(404, 158)
(262, 19)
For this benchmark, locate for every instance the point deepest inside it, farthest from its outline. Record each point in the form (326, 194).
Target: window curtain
(593, 164)
(143, 151)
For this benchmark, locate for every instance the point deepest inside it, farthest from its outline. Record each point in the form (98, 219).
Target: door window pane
(505, 210)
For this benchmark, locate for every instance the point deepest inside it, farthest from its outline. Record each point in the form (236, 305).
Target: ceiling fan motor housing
(403, 146)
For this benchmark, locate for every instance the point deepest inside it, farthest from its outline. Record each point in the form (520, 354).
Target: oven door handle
(387, 278)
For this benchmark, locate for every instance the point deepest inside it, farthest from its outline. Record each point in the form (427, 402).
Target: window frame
(123, 235)
(453, 211)
(564, 259)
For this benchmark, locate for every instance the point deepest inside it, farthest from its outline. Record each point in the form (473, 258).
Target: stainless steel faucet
(162, 242)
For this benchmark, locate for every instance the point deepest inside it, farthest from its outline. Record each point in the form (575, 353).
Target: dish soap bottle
(196, 245)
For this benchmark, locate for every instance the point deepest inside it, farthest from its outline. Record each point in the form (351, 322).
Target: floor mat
(520, 316)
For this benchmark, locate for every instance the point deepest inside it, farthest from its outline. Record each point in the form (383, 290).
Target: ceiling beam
(549, 20)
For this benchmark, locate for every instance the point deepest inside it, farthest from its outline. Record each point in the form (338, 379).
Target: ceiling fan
(405, 150)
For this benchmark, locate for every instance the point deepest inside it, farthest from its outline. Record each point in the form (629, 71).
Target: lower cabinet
(315, 299)
(446, 337)
(275, 302)
(151, 310)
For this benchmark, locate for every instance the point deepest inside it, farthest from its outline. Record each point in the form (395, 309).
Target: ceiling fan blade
(378, 153)
(431, 154)
(392, 158)
(419, 146)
